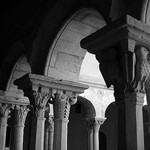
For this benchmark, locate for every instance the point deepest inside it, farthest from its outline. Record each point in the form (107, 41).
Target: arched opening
(77, 128)
(20, 68)
(65, 55)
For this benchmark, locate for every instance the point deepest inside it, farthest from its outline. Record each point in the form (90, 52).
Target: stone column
(38, 121)
(124, 63)
(20, 113)
(96, 126)
(61, 104)
(49, 132)
(41, 89)
(4, 114)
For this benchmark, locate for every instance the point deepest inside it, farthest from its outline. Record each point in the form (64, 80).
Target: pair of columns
(20, 113)
(122, 50)
(93, 126)
(62, 94)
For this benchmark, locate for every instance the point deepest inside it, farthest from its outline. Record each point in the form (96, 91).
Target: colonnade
(47, 132)
(93, 127)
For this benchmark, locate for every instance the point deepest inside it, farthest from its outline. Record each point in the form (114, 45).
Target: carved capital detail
(40, 99)
(4, 112)
(62, 103)
(20, 114)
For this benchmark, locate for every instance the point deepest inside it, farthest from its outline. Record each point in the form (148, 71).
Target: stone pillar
(20, 113)
(61, 104)
(124, 63)
(38, 121)
(4, 114)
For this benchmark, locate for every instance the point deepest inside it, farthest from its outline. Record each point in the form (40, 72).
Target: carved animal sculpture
(142, 68)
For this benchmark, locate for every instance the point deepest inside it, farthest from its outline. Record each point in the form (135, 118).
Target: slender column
(96, 126)
(49, 131)
(62, 103)
(41, 89)
(51, 134)
(38, 121)
(4, 114)
(20, 113)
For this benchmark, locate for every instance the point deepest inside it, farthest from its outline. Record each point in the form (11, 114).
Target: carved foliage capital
(4, 112)
(40, 99)
(20, 114)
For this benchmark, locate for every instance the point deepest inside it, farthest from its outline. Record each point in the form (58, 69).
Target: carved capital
(4, 112)
(20, 114)
(62, 102)
(40, 99)
(94, 123)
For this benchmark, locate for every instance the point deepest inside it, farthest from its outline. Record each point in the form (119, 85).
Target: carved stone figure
(142, 69)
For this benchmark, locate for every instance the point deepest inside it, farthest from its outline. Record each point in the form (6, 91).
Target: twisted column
(4, 115)
(20, 113)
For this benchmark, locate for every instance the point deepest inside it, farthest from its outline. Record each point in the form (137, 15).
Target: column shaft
(51, 139)
(4, 114)
(17, 138)
(90, 139)
(134, 121)
(37, 133)
(60, 134)
(96, 136)
(2, 134)
(20, 113)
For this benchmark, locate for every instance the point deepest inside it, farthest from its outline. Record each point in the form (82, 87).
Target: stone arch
(65, 55)
(20, 68)
(44, 54)
(88, 106)
(77, 127)
(109, 127)
(16, 51)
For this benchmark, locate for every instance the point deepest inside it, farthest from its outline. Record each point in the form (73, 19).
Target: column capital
(123, 58)
(20, 114)
(94, 123)
(62, 102)
(4, 112)
(41, 89)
